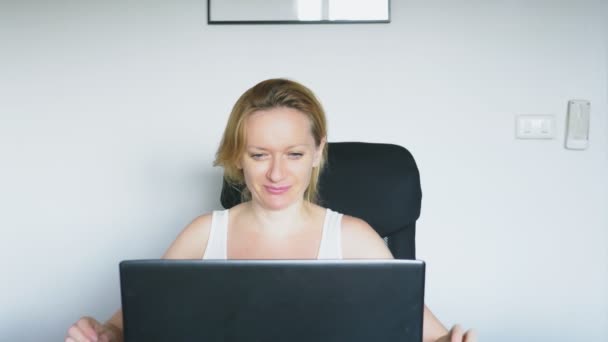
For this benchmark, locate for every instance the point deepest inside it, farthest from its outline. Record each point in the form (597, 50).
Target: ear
(319, 153)
(239, 164)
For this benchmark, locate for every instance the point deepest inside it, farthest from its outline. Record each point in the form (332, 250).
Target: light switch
(535, 127)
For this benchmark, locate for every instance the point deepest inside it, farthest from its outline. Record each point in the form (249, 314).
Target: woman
(275, 144)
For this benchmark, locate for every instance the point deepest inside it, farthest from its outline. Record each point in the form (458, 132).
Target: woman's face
(280, 154)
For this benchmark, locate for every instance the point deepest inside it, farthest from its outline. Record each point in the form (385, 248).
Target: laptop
(272, 300)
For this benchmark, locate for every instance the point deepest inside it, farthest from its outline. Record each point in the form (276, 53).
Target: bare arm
(432, 329)
(360, 241)
(189, 244)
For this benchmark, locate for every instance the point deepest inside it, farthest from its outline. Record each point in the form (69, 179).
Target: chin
(277, 203)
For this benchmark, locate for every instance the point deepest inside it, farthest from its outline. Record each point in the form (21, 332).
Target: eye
(257, 156)
(295, 155)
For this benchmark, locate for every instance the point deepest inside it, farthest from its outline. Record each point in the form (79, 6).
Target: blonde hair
(269, 94)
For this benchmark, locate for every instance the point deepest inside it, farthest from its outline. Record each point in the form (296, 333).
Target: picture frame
(225, 12)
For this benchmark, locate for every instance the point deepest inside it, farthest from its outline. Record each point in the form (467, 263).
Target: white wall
(110, 113)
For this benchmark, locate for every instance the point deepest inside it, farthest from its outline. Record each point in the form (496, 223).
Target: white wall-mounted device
(535, 126)
(577, 130)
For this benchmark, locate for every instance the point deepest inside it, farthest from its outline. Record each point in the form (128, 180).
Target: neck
(283, 221)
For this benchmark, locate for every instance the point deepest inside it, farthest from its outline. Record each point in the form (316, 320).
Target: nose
(276, 172)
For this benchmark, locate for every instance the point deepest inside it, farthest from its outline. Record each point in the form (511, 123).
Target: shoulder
(360, 240)
(192, 240)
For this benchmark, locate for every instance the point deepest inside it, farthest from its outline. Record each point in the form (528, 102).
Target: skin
(277, 223)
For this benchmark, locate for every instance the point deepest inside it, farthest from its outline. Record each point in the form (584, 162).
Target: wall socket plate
(535, 126)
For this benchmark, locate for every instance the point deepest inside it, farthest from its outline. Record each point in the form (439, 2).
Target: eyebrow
(288, 147)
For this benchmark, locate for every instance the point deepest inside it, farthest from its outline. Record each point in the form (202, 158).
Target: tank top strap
(331, 238)
(218, 236)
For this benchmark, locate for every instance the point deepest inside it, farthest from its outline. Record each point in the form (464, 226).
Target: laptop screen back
(272, 300)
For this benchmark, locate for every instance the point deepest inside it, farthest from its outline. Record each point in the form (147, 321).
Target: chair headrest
(378, 183)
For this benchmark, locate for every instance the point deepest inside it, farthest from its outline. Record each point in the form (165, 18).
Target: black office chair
(378, 183)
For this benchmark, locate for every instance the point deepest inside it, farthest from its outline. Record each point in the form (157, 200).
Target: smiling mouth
(276, 190)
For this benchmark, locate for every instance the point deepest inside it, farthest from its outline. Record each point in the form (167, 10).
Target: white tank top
(330, 247)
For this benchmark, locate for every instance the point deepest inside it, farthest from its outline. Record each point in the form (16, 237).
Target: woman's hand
(456, 334)
(88, 329)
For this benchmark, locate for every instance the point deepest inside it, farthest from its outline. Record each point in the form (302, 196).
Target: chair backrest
(378, 183)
